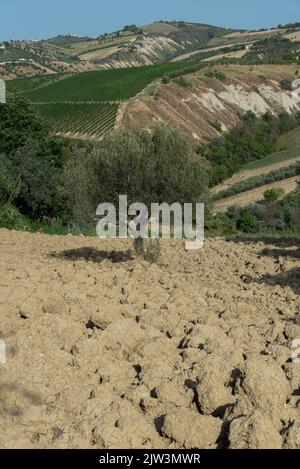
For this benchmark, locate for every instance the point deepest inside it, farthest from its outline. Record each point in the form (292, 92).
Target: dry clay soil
(108, 351)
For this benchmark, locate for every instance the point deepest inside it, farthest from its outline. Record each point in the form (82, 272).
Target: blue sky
(35, 19)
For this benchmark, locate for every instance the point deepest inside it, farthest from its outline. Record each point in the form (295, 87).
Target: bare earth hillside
(201, 100)
(108, 351)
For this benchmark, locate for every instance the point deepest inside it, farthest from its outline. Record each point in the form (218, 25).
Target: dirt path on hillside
(248, 197)
(107, 351)
(243, 175)
(238, 54)
(203, 51)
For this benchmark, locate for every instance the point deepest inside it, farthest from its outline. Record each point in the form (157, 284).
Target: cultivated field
(108, 351)
(80, 120)
(245, 198)
(265, 165)
(203, 51)
(85, 105)
(102, 85)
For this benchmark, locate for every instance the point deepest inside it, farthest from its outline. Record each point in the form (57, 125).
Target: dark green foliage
(280, 216)
(220, 224)
(31, 164)
(217, 125)
(253, 139)
(152, 251)
(275, 49)
(286, 85)
(217, 74)
(248, 222)
(18, 123)
(38, 166)
(257, 181)
(10, 217)
(8, 187)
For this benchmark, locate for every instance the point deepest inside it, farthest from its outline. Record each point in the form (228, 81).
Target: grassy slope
(275, 158)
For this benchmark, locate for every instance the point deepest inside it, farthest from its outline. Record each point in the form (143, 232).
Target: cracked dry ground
(106, 351)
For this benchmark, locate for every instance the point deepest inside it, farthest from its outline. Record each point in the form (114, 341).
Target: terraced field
(256, 168)
(246, 198)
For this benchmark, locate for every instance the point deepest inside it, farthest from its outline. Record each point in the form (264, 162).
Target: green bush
(10, 217)
(286, 85)
(38, 167)
(221, 225)
(271, 195)
(217, 125)
(248, 222)
(152, 251)
(217, 74)
(18, 124)
(31, 164)
(279, 216)
(183, 82)
(165, 79)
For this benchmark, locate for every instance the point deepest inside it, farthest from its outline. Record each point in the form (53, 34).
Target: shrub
(165, 79)
(152, 251)
(18, 124)
(183, 82)
(217, 74)
(31, 166)
(286, 85)
(217, 125)
(271, 195)
(10, 217)
(248, 222)
(38, 167)
(221, 224)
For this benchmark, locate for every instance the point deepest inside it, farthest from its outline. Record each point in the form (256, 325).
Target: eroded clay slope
(106, 351)
(202, 101)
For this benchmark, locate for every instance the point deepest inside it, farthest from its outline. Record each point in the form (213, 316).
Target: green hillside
(102, 85)
(86, 104)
